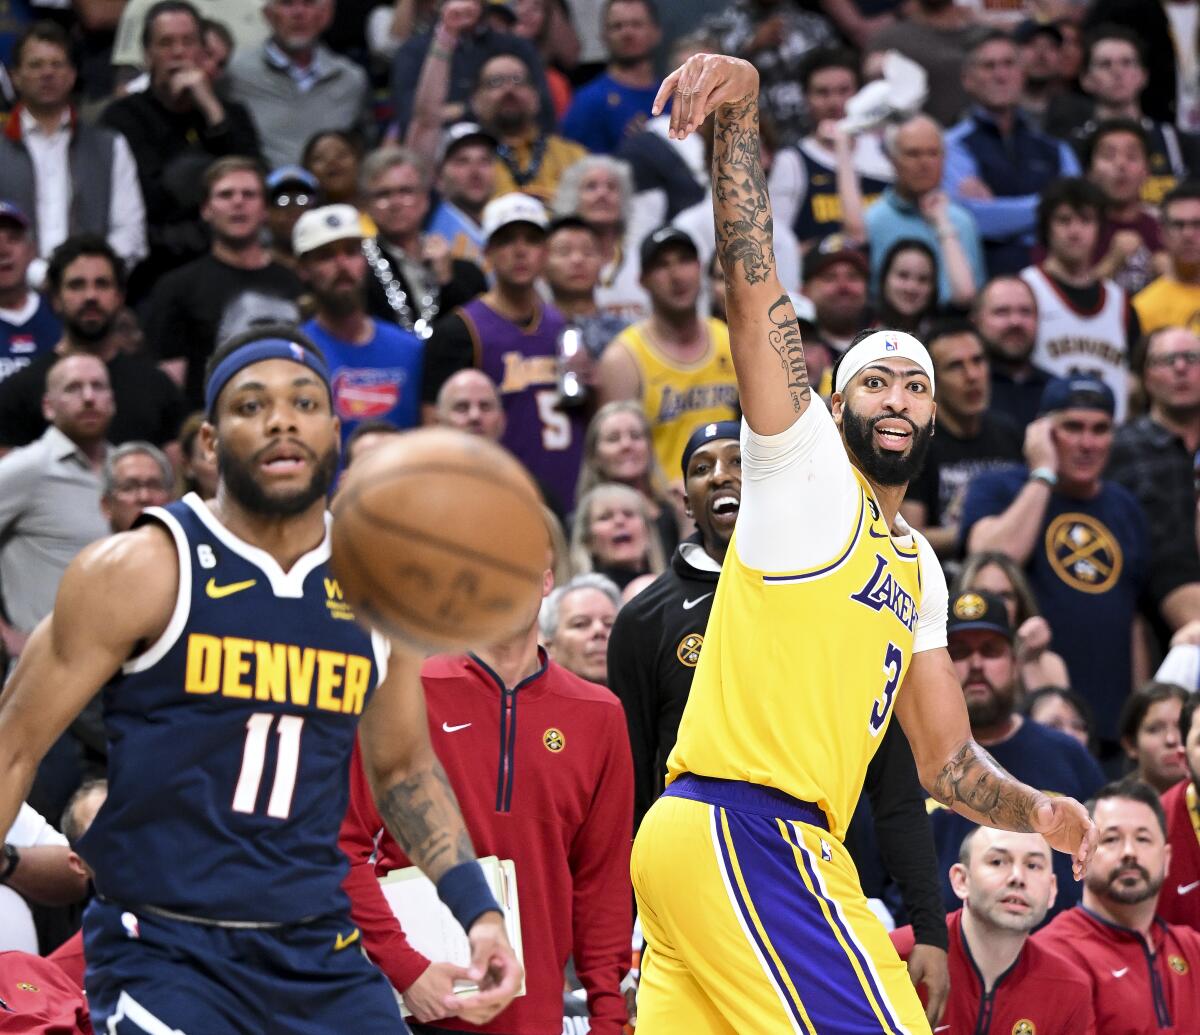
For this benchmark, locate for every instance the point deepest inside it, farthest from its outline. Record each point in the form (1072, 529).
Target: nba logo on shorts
(130, 923)
(826, 851)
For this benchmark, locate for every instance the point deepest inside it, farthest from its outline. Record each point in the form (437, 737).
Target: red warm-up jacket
(1179, 899)
(544, 777)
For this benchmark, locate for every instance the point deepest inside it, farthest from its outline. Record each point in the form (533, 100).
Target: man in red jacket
(540, 762)
(1145, 973)
(1179, 900)
(1000, 982)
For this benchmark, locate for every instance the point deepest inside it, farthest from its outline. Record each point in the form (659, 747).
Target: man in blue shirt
(28, 326)
(376, 367)
(997, 161)
(618, 101)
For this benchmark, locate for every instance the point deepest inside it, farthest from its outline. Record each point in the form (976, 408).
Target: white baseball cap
(512, 208)
(322, 226)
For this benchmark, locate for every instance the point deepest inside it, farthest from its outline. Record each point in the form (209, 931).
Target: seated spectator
(618, 448)
(1150, 735)
(334, 156)
(1006, 885)
(86, 284)
(294, 72)
(366, 436)
(677, 363)
(468, 401)
(71, 176)
(617, 102)
(411, 276)
(1086, 326)
(192, 308)
(76, 820)
(175, 130)
(1144, 972)
(1005, 314)
(376, 367)
(28, 326)
(1173, 300)
(998, 574)
(136, 475)
(1130, 247)
(835, 282)
(466, 181)
(1177, 901)
(969, 437)
(613, 533)
(980, 642)
(997, 161)
(908, 281)
(199, 466)
(1062, 709)
(291, 191)
(599, 190)
(575, 622)
(915, 206)
(573, 277)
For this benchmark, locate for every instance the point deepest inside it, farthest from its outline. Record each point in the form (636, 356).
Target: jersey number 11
(254, 757)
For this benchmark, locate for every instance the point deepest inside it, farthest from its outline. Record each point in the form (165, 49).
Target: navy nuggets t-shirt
(1088, 569)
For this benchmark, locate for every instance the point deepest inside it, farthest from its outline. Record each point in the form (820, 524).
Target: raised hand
(702, 84)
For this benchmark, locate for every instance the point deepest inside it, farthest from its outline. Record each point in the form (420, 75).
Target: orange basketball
(438, 539)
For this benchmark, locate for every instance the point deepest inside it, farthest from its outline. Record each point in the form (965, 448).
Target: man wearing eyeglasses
(1174, 298)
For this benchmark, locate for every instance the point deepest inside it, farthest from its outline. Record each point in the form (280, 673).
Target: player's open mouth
(893, 435)
(284, 460)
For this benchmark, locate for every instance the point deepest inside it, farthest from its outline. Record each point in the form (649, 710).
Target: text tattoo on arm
(784, 338)
(421, 813)
(974, 779)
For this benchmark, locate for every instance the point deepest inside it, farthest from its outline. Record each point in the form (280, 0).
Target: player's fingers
(706, 85)
(679, 105)
(665, 91)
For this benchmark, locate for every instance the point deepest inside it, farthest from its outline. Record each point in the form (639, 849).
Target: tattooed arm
(961, 775)
(768, 354)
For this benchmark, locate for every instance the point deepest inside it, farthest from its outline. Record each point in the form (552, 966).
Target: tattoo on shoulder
(421, 813)
(784, 338)
(743, 210)
(974, 779)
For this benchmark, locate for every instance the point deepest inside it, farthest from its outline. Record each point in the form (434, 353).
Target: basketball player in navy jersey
(235, 676)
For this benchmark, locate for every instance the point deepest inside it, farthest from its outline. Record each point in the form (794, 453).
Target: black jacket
(652, 654)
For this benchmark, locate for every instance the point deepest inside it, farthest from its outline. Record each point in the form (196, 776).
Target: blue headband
(256, 352)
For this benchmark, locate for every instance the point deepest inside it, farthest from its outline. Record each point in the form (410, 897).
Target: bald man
(470, 402)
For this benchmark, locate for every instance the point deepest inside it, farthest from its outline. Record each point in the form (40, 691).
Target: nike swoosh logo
(344, 940)
(217, 592)
(1120, 973)
(454, 729)
(689, 604)
(877, 535)
(1183, 889)
(943, 1027)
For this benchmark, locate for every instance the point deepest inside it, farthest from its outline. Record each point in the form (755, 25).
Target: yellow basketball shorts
(755, 922)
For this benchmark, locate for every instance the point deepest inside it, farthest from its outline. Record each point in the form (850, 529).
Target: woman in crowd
(617, 448)
(333, 156)
(908, 287)
(1065, 710)
(999, 574)
(1150, 734)
(613, 533)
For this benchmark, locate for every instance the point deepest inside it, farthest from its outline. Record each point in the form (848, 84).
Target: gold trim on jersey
(1193, 807)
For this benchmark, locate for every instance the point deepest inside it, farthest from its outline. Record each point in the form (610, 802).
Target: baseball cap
(831, 249)
(503, 7)
(13, 214)
(1027, 30)
(1077, 393)
(286, 175)
(664, 237)
(321, 226)
(978, 609)
(463, 133)
(709, 433)
(512, 208)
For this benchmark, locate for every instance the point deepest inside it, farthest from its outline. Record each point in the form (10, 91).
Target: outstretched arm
(768, 354)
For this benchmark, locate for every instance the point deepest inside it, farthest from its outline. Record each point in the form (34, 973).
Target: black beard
(238, 478)
(90, 333)
(340, 302)
(986, 714)
(881, 467)
(511, 123)
(1129, 897)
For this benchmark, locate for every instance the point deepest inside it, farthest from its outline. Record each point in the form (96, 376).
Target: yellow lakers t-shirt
(1166, 302)
(678, 397)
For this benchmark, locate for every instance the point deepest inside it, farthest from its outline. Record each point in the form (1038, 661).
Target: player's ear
(837, 403)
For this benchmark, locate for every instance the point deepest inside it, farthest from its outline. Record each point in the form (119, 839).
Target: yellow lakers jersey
(678, 397)
(799, 672)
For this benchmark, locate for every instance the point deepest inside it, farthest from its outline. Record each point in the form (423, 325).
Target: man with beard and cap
(1000, 980)
(239, 687)
(1144, 972)
(86, 284)
(376, 366)
(1179, 900)
(751, 905)
(981, 647)
(1006, 317)
(653, 651)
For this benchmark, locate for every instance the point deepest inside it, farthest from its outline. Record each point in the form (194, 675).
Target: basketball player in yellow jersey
(677, 363)
(829, 616)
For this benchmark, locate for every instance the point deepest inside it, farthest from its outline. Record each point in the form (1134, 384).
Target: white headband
(883, 345)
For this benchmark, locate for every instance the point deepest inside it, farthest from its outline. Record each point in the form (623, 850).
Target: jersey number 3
(254, 758)
(893, 662)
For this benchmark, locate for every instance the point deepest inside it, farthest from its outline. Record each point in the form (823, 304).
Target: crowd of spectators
(470, 207)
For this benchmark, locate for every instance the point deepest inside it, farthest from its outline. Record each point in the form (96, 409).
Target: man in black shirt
(1005, 315)
(86, 281)
(970, 438)
(219, 294)
(653, 651)
(175, 129)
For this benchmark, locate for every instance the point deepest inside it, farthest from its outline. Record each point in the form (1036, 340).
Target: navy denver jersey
(230, 737)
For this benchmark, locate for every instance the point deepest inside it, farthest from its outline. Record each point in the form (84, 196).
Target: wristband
(1044, 475)
(467, 894)
(12, 859)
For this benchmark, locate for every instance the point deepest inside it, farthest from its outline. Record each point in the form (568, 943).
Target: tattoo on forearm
(422, 814)
(974, 779)
(784, 338)
(742, 208)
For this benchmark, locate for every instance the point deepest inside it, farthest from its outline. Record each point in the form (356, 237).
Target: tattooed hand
(702, 84)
